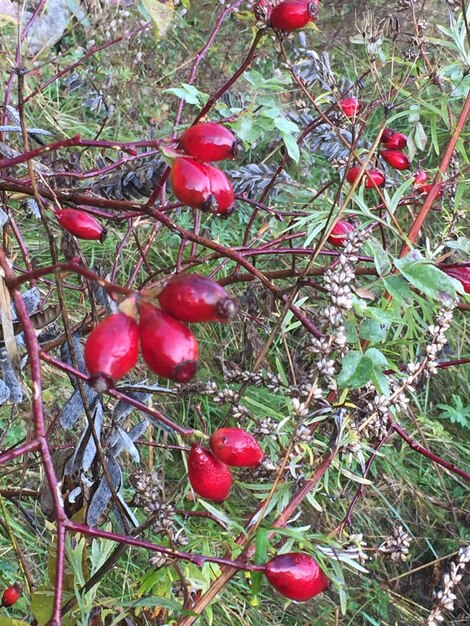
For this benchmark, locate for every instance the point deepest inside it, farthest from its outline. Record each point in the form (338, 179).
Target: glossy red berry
(373, 176)
(169, 348)
(462, 274)
(339, 233)
(80, 224)
(192, 298)
(425, 189)
(350, 106)
(393, 140)
(111, 349)
(234, 446)
(396, 159)
(209, 477)
(201, 186)
(10, 596)
(296, 575)
(210, 142)
(291, 15)
(419, 177)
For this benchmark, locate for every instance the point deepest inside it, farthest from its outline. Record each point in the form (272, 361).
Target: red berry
(427, 188)
(339, 233)
(296, 575)
(386, 134)
(10, 596)
(373, 176)
(396, 141)
(235, 446)
(291, 15)
(201, 186)
(111, 349)
(192, 298)
(350, 106)
(419, 177)
(80, 224)
(395, 159)
(169, 348)
(210, 142)
(462, 274)
(209, 477)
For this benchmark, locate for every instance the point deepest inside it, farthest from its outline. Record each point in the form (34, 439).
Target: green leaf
(151, 601)
(261, 552)
(161, 14)
(427, 277)
(398, 289)
(356, 370)
(382, 261)
(285, 125)
(292, 147)
(188, 93)
(372, 331)
(9, 621)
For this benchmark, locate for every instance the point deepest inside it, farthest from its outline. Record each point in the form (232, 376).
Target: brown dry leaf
(8, 12)
(161, 13)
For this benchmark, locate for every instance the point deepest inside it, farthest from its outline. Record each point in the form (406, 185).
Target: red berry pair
(209, 472)
(373, 177)
(80, 224)
(394, 142)
(168, 347)
(11, 595)
(291, 15)
(195, 182)
(297, 576)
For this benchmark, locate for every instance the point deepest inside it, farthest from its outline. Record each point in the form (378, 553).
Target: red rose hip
(372, 176)
(296, 575)
(221, 191)
(10, 595)
(396, 141)
(339, 233)
(462, 274)
(291, 15)
(209, 477)
(419, 177)
(234, 446)
(169, 348)
(210, 142)
(395, 159)
(350, 106)
(192, 298)
(80, 224)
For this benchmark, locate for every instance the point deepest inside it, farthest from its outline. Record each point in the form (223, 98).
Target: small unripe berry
(112, 349)
(234, 446)
(372, 176)
(296, 575)
(80, 224)
(339, 233)
(209, 477)
(210, 142)
(291, 15)
(395, 159)
(192, 298)
(10, 595)
(350, 106)
(169, 348)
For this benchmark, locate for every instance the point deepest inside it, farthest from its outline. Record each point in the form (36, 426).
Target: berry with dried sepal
(396, 159)
(350, 106)
(209, 477)
(372, 176)
(462, 274)
(339, 233)
(11, 595)
(193, 298)
(80, 224)
(169, 348)
(297, 576)
(111, 350)
(234, 446)
(209, 141)
(291, 15)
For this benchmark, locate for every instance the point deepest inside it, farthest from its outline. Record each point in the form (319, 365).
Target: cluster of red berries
(288, 15)
(11, 595)
(168, 347)
(197, 183)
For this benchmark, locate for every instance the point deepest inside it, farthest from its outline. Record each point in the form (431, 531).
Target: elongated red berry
(111, 349)
(462, 274)
(296, 575)
(396, 159)
(419, 177)
(350, 106)
(386, 134)
(210, 142)
(201, 186)
(234, 446)
(396, 141)
(10, 595)
(169, 348)
(339, 233)
(193, 298)
(291, 15)
(80, 224)
(209, 477)
(373, 176)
